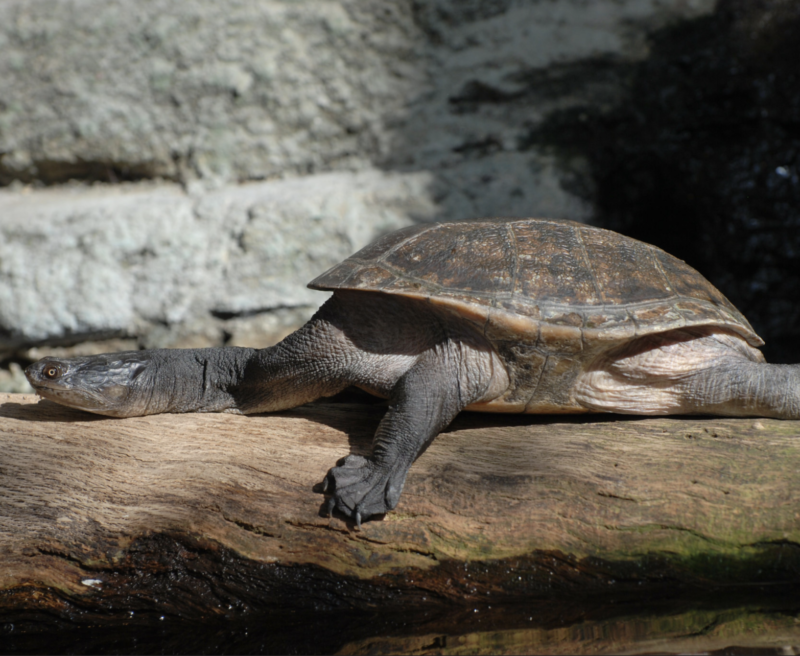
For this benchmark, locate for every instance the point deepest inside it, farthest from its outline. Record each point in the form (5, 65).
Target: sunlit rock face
(172, 268)
(240, 150)
(702, 157)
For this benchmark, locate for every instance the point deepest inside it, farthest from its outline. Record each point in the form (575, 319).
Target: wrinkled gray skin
(428, 362)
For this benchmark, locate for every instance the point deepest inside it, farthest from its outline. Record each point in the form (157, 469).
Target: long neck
(300, 369)
(195, 380)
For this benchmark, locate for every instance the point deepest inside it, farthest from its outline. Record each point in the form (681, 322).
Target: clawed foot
(360, 489)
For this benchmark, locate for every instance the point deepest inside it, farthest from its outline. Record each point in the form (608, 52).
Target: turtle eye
(52, 370)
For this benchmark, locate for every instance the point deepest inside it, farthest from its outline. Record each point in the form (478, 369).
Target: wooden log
(202, 515)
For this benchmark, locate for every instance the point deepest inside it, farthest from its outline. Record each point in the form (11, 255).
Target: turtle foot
(360, 489)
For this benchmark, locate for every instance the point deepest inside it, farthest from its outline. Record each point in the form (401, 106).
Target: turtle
(515, 316)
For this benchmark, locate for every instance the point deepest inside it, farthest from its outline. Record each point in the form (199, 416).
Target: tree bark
(202, 515)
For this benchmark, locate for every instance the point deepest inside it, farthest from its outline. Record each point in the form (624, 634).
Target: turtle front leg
(423, 402)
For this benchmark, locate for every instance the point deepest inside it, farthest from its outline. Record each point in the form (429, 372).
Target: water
(756, 621)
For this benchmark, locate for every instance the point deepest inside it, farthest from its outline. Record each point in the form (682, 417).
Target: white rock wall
(226, 153)
(132, 260)
(235, 90)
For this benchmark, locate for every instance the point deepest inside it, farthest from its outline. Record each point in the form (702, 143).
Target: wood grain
(205, 514)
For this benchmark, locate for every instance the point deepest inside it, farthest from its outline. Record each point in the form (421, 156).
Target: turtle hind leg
(690, 371)
(739, 388)
(442, 382)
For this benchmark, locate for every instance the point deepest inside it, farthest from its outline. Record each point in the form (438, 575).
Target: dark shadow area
(702, 157)
(45, 173)
(338, 413)
(47, 411)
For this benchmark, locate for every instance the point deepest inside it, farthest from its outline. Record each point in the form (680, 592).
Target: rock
(497, 69)
(190, 269)
(12, 379)
(311, 98)
(118, 90)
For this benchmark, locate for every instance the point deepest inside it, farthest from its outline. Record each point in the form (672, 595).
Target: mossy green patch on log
(204, 511)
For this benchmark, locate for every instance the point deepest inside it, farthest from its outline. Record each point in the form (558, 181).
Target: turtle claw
(329, 506)
(360, 489)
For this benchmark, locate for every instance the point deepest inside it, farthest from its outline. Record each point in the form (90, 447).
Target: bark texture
(204, 515)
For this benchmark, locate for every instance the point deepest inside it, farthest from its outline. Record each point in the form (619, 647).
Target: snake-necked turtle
(531, 315)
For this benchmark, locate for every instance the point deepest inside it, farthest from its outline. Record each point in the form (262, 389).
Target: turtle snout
(32, 373)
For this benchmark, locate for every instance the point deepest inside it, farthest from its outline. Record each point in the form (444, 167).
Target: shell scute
(624, 269)
(550, 269)
(370, 277)
(686, 282)
(475, 259)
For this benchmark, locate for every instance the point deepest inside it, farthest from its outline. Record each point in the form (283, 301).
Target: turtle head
(110, 384)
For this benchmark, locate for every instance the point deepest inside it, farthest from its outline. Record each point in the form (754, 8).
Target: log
(209, 515)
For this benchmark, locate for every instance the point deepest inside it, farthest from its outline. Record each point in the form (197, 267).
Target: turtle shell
(518, 277)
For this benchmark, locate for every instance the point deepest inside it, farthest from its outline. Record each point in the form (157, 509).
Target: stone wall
(174, 172)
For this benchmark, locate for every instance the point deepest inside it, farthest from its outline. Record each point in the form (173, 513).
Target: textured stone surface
(314, 98)
(137, 261)
(247, 90)
(238, 90)
(496, 69)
